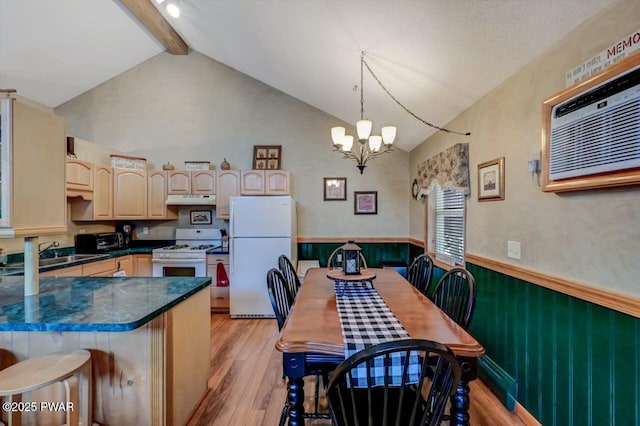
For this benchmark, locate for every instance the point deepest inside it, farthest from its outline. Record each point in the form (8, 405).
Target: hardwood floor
(247, 389)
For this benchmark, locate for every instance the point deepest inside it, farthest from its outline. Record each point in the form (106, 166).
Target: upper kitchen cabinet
(264, 182)
(156, 195)
(203, 182)
(179, 182)
(129, 194)
(99, 206)
(33, 197)
(79, 178)
(228, 185)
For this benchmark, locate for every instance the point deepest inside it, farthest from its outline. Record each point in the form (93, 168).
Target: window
(446, 229)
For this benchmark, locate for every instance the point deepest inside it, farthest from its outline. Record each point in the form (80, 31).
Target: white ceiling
(437, 57)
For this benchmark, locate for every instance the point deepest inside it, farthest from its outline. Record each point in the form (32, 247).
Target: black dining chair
(318, 365)
(420, 401)
(334, 261)
(290, 275)
(455, 294)
(420, 273)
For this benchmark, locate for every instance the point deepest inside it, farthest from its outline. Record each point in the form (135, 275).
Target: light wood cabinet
(264, 182)
(219, 295)
(33, 194)
(228, 185)
(129, 194)
(100, 205)
(79, 178)
(252, 182)
(203, 182)
(125, 263)
(142, 266)
(101, 268)
(72, 271)
(156, 196)
(179, 182)
(277, 182)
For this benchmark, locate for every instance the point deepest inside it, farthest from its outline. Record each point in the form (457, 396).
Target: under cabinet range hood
(192, 200)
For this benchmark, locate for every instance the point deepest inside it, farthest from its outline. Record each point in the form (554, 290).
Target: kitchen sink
(61, 260)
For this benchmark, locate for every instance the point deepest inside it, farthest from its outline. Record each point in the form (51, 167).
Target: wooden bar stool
(73, 369)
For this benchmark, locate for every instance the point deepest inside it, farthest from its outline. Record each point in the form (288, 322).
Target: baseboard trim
(525, 416)
(499, 381)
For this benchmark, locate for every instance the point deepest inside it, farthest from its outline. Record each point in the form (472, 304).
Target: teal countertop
(91, 303)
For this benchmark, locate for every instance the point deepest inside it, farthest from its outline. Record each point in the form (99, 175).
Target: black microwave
(95, 243)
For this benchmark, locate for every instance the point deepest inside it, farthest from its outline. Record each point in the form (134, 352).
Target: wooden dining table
(313, 327)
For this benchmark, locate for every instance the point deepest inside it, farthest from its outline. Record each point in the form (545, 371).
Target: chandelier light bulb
(375, 142)
(364, 129)
(388, 134)
(173, 10)
(337, 135)
(347, 143)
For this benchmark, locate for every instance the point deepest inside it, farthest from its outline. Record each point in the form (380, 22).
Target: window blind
(449, 225)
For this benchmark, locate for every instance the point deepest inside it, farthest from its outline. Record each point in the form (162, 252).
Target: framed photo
(200, 217)
(491, 180)
(365, 202)
(267, 157)
(335, 189)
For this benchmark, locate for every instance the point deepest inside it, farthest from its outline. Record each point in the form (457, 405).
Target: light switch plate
(513, 249)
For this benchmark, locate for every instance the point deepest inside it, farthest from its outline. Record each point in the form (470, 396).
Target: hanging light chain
(362, 86)
(363, 62)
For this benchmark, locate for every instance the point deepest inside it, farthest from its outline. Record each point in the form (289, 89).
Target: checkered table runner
(366, 321)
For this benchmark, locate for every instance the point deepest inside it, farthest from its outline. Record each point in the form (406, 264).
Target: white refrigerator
(260, 230)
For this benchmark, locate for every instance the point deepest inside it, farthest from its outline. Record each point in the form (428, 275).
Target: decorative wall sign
(267, 157)
(491, 180)
(335, 188)
(365, 202)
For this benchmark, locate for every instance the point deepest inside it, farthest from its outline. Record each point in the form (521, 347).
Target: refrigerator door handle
(231, 256)
(232, 232)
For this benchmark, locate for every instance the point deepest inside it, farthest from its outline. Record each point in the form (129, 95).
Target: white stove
(188, 256)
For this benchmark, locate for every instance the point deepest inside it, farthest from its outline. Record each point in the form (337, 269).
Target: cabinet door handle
(118, 267)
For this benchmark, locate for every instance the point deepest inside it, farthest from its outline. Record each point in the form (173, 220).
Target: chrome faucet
(52, 244)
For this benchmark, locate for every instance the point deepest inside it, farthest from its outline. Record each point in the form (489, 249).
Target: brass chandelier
(370, 146)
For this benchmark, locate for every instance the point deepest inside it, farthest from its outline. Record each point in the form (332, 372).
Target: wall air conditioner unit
(591, 131)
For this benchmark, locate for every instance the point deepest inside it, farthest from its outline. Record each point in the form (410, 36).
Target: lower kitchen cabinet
(142, 266)
(72, 271)
(101, 268)
(219, 295)
(125, 263)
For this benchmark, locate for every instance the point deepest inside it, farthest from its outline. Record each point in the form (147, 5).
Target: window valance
(449, 169)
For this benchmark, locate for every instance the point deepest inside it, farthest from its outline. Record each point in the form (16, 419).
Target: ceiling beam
(151, 18)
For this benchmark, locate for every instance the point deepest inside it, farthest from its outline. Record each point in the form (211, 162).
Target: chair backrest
(334, 261)
(420, 272)
(279, 295)
(289, 274)
(455, 294)
(395, 405)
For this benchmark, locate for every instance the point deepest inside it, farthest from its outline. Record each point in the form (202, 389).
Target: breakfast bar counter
(149, 340)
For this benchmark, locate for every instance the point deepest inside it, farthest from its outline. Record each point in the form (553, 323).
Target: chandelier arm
(401, 105)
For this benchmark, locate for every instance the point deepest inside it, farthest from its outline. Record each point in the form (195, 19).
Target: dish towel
(366, 321)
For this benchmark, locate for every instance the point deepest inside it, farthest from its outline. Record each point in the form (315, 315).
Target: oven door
(179, 267)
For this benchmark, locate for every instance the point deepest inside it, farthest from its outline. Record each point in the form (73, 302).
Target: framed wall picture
(365, 202)
(491, 180)
(335, 188)
(267, 157)
(200, 217)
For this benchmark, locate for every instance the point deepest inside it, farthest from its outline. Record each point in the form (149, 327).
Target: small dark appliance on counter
(127, 234)
(96, 243)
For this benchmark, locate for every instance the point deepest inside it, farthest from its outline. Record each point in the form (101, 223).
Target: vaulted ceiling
(436, 57)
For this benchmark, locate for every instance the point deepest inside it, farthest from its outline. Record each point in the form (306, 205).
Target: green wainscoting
(574, 362)
(375, 253)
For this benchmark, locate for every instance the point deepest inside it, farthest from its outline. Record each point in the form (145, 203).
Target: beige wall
(177, 108)
(592, 237)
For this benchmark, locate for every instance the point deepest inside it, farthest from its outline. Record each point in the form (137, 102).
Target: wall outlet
(145, 230)
(82, 231)
(513, 249)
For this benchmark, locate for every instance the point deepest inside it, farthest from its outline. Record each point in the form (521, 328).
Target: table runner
(366, 321)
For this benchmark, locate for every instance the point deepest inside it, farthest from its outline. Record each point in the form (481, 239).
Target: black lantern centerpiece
(351, 258)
